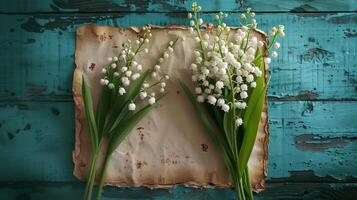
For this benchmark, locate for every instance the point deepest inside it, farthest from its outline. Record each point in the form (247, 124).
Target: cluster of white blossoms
(227, 60)
(124, 69)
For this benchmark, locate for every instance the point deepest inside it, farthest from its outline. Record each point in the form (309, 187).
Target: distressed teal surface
(317, 60)
(275, 191)
(303, 137)
(312, 95)
(174, 6)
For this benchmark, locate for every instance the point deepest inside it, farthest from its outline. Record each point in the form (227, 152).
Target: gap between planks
(63, 13)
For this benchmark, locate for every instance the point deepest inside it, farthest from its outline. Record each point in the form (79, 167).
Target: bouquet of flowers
(129, 92)
(230, 78)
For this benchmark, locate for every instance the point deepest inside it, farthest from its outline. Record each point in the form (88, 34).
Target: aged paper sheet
(170, 145)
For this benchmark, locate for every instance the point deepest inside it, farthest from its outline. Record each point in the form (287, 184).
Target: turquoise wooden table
(312, 95)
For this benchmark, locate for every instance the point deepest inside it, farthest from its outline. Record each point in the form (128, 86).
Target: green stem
(238, 185)
(197, 28)
(246, 44)
(236, 181)
(248, 184)
(154, 84)
(92, 172)
(234, 127)
(91, 178)
(102, 176)
(267, 48)
(236, 189)
(242, 188)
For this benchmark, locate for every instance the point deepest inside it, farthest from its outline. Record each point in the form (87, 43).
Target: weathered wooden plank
(57, 6)
(309, 141)
(274, 191)
(317, 61)
(316, 136)
(36, 141)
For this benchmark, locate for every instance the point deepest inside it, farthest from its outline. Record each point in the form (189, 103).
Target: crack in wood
(303, 95)
(314, 142)
(300, 176)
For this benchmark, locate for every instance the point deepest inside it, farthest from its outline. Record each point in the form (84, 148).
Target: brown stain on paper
(204, 147)
(92, 66)
(140, 164)
(141, 133)
(171, 159)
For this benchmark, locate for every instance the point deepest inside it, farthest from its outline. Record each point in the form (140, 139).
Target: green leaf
(102, 109)
(227, 122)
(122, 114)
(219, 141)
(252, 114)
(250, 130)
(199, 111)
(121, 103)
(254, 96)
(228, 128)
(259, 61)
(88, 107)
(216, 114)
(119, 133)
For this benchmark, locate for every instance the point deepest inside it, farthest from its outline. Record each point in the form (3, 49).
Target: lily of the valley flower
(228, 69)
(224, 62)
(130, 70)
(128, 93)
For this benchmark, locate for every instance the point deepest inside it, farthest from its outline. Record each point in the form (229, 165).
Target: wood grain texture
(36, 141)
(60, 6)
(317, 60)
(312, 96)
(316, 136)
(275, 191)
(305, 143)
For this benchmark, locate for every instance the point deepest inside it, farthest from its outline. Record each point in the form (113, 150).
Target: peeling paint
(344, 19)
(303, 95)
(304, 8)
(350, 76)
(318, 55)
(31, 25)
(27, 127)
(36, 90)
(308, 108)
(109, 6)
(307, 10)
(19, 106)
(10, 135)
(55, 111)
(40, 23)
(312, 39)
(350, 33)
(30, 41)
(313, 142)
(89, 6)
(303, 175)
